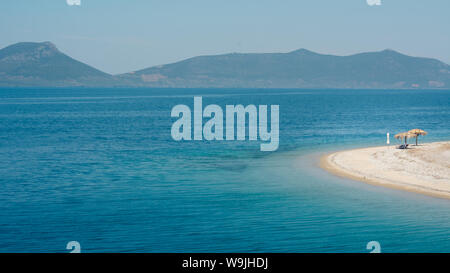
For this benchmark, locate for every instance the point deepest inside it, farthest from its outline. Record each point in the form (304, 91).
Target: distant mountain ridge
(299, 69)
(42, 64)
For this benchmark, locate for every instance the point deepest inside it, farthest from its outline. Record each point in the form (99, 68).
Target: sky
(118, 36)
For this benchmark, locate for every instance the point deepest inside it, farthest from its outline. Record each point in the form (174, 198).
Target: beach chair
(403, 146)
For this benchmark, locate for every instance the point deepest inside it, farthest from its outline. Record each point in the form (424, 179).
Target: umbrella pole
(416, 139)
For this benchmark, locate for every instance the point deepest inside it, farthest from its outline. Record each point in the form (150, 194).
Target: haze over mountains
(42, 64)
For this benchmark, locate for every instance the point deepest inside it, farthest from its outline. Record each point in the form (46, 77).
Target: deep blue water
(99, 166)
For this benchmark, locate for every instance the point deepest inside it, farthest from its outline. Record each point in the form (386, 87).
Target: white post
(387, 138)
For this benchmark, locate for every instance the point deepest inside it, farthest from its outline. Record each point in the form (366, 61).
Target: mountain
(42, 64)
(298, 69)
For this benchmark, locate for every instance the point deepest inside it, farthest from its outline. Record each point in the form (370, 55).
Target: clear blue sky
(119, 36)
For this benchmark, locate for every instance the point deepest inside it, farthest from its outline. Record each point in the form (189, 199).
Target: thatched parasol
(417, 132)
(404, 135)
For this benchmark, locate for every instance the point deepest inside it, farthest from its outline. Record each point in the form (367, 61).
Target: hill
(298, 69)
(42, 64)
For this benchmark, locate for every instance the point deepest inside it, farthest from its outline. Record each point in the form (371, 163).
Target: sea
(99, 166)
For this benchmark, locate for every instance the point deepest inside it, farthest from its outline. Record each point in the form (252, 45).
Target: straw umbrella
(417, 133)
(404, 135)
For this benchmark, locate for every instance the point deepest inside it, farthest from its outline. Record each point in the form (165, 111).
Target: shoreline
(422, 169)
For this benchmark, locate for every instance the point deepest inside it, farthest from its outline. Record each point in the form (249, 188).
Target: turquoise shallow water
(99, 166)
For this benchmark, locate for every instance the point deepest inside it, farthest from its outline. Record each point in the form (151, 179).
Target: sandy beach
(422, 169)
